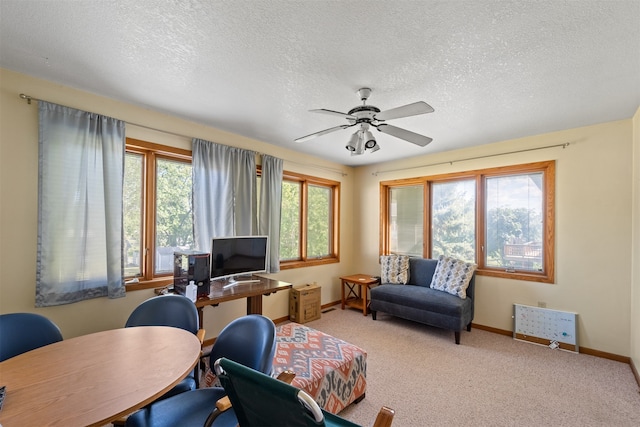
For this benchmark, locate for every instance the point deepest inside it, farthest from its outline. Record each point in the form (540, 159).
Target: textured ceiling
(492, 70)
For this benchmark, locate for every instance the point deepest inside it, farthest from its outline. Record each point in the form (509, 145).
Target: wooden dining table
(94, 379)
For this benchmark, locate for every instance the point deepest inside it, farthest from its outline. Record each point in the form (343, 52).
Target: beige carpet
(487, 380)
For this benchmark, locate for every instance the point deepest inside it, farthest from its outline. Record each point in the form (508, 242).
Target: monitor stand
(232, 281)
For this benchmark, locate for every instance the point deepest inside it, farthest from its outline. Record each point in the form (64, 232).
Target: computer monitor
(238, 256)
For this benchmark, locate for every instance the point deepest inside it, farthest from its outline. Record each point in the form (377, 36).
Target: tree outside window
(157, 210)
(453, 214)
(309, 221)
(174, 212)
(514, 222)
(290, 221)
(319, 221)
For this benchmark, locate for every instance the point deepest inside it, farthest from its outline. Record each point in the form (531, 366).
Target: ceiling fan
(367, 116)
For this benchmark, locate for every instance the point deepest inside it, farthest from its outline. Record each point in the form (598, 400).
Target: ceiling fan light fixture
(359, 145)
(375, 147)
(370, 140)
(353, 142)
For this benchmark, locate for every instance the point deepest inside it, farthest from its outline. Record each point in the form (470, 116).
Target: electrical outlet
(542, 304)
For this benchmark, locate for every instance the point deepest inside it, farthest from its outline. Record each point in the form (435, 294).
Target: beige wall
(19, 192)
(593, 219)
(593, 228)
(635, 287)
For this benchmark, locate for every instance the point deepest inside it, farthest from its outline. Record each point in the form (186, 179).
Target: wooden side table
(354, 291)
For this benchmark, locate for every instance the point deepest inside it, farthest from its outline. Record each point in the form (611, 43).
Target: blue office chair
(249, 340)
(176, 311)
(22, 332)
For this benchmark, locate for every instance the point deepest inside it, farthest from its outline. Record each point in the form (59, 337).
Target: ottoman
(330, 370)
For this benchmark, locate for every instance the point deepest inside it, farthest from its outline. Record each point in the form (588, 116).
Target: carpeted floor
(487, 380)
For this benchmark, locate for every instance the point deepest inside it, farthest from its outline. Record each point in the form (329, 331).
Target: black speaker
(188, 266)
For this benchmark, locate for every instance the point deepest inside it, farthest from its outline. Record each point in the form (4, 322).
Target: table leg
(200, 316)
(342, 293)
(363, 291)
(254, 304)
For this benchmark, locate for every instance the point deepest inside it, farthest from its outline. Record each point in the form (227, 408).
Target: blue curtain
(224, 192)
(270, 208)
(80, 176)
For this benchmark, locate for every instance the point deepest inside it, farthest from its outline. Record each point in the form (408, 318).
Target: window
(309, 221)
(132, 218)
(502, 219)
(453, 219)
(157, 211)
(290, 221)
(406, 220)
(158, 215)
(514, 222)
(319, 214)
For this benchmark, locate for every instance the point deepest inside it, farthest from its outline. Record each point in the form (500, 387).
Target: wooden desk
(253, 292)
(94, 379)
(359, 299)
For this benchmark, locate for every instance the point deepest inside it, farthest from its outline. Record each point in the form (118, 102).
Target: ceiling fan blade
(322, 132)
(407, 135)
(333, 113)
(414, 109)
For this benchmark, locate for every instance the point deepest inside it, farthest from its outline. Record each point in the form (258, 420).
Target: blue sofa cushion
(421, 271)
(421, 298)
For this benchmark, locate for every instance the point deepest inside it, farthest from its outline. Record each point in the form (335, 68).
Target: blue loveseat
(416, 301)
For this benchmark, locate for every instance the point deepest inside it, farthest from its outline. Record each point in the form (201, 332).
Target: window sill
(287, 265)
(517, 275)
(149, 284)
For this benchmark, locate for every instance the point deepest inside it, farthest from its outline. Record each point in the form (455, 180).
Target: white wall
(19, 194)
(593, 228)
(635, 253)
(593, 220)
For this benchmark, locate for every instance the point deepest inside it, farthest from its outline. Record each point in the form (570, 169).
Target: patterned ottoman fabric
(332, 371)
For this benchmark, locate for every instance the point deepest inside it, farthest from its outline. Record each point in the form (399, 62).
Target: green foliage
(132, 213)
(453, 222)
(319, 211)
(510, 225)
(174, 224)
(290, 221)
(319, 221)
(174, 208)
(453, 226)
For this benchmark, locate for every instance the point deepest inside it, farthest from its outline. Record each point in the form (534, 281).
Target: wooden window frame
(480, 176)
(151, 152)
(305, 181)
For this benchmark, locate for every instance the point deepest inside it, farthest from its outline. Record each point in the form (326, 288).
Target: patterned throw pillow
(394, 269)
(453, 276)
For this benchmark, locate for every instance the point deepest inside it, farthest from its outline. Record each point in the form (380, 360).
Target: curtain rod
(29, 98)
(451, 162)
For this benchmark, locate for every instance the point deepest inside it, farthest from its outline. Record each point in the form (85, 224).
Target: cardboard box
(304, 303)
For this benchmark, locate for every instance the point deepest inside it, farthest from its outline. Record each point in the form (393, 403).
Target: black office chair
(262, 401)
(176, 311)
(22, 332)
(249, 340)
